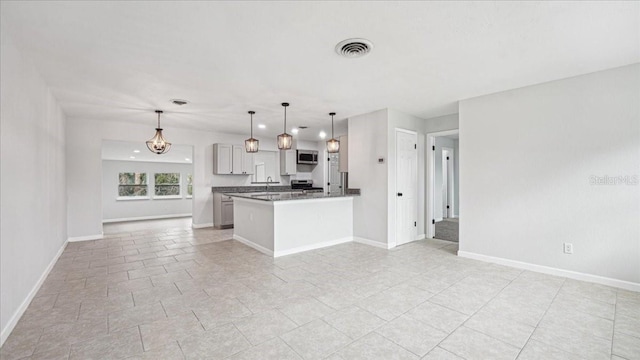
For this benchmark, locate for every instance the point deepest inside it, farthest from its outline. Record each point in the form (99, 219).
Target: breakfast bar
(283, 223)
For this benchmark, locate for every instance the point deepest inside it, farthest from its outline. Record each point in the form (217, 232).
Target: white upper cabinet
(222, 159)
(231, 159)
(238, 151)
(287, 162)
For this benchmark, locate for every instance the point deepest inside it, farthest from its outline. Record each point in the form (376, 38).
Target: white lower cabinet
(222, 211)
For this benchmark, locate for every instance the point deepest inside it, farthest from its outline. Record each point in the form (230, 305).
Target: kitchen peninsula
(283, 223)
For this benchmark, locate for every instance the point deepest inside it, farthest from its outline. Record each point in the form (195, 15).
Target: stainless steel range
(305, 185)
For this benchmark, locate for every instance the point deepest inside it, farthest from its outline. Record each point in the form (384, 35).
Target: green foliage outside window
(189, 184)
(132, 184)
(167, 184)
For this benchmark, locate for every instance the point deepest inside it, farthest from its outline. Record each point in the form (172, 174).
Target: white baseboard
(200, 226)
(628, 285)
(439, 219)
(138, 218)
(312, 247)
(371, 243)
(253, 245)
(421, 237)
(25, 304)
(85, 238)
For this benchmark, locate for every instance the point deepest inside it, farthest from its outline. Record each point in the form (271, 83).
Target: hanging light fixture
(284, 139)
(333, 145)
(158, 144)
(251, 144)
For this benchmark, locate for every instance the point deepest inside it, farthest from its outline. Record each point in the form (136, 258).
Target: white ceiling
(134, 151)
(119, 61)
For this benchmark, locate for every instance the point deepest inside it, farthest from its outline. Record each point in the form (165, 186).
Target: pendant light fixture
(158, 144)
(251, 144)
(284, 139)
(333, 145)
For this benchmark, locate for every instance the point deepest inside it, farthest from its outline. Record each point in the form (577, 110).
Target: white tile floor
(180, 293)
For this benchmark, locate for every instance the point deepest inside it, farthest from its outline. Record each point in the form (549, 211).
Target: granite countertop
(280, 196)
(276, 189)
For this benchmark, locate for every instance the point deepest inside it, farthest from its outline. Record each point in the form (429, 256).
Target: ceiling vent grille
(353, 48)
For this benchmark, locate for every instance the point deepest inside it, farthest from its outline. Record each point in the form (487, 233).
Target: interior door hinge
(447, 206)
(415, 146)
(433, 148)
(415, 223)
(433, 221)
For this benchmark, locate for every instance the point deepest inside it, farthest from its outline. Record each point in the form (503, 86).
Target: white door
(334, 173)
(445, 183)
(450, 183)
(406, 186)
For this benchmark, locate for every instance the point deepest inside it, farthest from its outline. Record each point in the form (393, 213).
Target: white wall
(441, 123)
(527, 156)
(367, 142)
(32, 191)
(113, 209)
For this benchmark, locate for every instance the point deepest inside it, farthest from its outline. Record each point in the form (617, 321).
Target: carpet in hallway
(447, 229)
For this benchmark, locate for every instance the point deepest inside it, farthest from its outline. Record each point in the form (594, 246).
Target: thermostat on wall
(381, 160)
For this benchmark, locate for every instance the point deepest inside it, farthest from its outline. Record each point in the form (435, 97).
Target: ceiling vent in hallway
(353, 48)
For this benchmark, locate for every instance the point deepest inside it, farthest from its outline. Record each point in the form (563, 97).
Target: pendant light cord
(285, 119)
(252, 126)
(158, 120)
(332, 126)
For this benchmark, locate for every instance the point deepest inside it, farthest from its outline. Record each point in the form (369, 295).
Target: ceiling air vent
(353, 48)
(179, 102)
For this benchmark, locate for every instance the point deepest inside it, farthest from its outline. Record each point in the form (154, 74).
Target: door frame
(430, 228)
(395, 190)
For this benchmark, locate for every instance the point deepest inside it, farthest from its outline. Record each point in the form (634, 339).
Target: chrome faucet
(269, 181)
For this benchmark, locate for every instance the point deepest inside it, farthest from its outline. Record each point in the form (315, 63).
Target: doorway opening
(442, 185)
(143, 189)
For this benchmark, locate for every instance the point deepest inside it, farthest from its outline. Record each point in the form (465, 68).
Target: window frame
(132, 198)
(179, 184)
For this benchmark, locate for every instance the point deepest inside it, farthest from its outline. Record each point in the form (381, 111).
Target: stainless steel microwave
(307, 157)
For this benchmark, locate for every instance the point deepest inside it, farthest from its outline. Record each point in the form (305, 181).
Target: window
(132, 185)
(189, 185)
(167, 184)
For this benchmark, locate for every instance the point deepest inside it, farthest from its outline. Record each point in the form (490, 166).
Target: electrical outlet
(568, 248)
